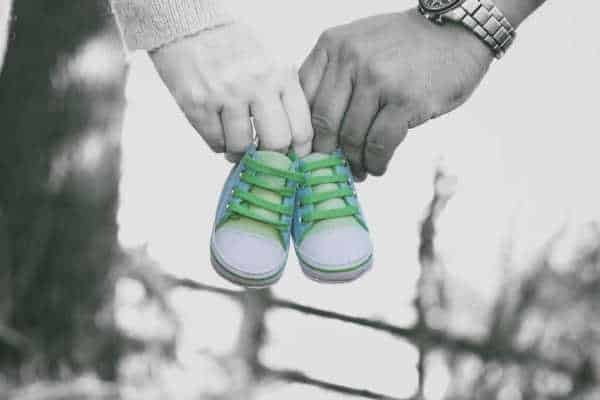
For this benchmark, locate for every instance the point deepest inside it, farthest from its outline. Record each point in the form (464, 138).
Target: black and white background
(486, 227)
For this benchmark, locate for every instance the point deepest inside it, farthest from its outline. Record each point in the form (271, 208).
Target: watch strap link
(487, 22)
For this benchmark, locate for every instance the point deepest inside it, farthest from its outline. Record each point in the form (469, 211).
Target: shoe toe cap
(248, 254)
(336, 248)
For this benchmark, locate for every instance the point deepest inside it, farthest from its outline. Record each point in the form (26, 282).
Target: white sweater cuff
(148, 24)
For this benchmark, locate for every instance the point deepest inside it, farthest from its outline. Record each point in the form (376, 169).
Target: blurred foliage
(543, 340)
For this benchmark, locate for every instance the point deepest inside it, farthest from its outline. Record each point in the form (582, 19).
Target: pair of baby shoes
(269, 197)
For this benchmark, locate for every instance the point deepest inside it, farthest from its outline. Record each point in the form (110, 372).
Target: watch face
(439, 5)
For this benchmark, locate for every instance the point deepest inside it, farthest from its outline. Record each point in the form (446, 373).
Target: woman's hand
(222, 76)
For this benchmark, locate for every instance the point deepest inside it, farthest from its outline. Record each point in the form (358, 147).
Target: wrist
(208, 32)
(459, 38)
(483, 18)
(516, 11)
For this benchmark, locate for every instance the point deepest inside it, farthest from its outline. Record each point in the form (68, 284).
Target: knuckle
(218, 146)
(213, 139)
(264, 74)
(327, 38)
(322, 125)
(302, 136)
(303, 77)
(191, 99)
(198, 122)
(352, 140)
(350, 50)
(377, 160)
(237, 148)
(377, 72)
(351, 149)
(290, 73)
(285, 78)
(231, 86)
(271, 72)
(276, 142)
(421, 115)
(379, 149)
(458, 97)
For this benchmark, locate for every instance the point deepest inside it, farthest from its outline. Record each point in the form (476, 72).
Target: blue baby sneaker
(330, 233)
(251, 235)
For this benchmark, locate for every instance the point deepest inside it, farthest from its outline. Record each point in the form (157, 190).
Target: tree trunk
(4, 21)
(61, 102)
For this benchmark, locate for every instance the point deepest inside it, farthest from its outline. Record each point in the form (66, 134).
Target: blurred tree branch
(294, 376)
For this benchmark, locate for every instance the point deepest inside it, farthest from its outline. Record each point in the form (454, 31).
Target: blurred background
(487, 276)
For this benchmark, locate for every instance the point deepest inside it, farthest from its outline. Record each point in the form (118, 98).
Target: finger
(237, 129)
(311, 72)
(329, 107)
(360, 115)
(298, 114)
(271, 123)
(387, 132)
(208, 125)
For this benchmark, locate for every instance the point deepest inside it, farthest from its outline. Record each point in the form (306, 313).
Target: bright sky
(524, 149)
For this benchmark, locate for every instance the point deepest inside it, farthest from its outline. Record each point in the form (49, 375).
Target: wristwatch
(480, 16)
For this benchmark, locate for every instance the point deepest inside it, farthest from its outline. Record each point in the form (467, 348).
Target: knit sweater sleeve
(148, 24)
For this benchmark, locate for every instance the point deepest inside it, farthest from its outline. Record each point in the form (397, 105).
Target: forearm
(148, 24)
(516, 11)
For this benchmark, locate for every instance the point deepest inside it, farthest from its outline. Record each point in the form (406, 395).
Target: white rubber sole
(340, 276)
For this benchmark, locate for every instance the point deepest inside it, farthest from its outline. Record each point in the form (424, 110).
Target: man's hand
(370, 81)
(220, 77)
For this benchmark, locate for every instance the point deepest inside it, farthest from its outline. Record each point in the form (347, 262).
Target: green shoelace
(249, 177)
(314, 198)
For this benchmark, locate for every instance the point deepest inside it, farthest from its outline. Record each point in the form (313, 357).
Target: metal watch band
(488, 23)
